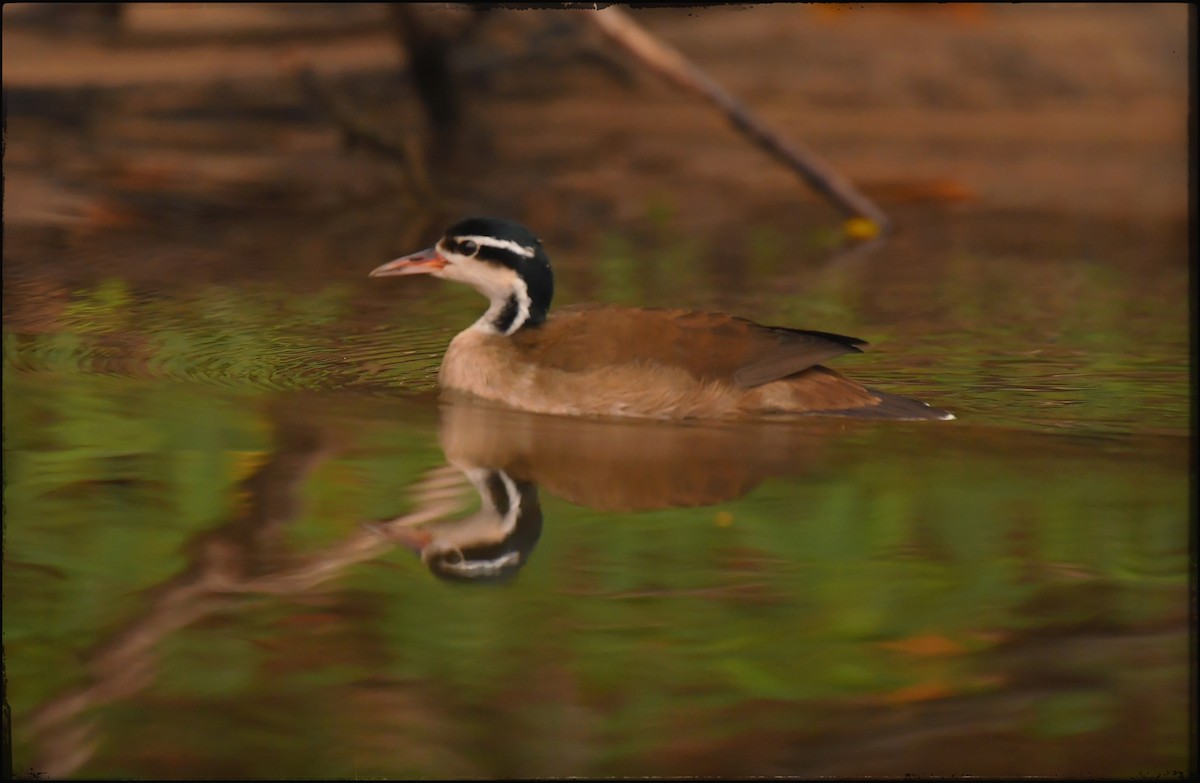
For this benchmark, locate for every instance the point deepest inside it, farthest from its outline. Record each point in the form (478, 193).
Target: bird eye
(468, 248)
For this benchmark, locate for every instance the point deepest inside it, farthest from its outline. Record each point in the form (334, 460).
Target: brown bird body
(604, 360)
(607, 360)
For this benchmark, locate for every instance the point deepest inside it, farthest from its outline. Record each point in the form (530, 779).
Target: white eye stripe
(501, 244)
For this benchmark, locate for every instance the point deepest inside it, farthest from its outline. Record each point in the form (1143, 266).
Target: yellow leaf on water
(860, 228)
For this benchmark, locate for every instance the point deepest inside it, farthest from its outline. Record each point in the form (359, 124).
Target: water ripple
(280, 361)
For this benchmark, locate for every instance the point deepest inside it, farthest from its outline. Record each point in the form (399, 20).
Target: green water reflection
(189, 588)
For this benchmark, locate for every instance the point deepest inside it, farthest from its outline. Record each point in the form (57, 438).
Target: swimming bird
(610, 360)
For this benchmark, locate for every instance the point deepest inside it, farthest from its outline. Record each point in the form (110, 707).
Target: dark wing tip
(795, 351)
(851, 343)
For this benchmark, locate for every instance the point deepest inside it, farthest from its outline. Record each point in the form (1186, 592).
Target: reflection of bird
(631, 465)
(621, 361)
(490, 545)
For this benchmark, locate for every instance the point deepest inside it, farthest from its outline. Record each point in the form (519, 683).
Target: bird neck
(512, 310)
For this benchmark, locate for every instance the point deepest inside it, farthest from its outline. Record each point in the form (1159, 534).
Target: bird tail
(893, 406)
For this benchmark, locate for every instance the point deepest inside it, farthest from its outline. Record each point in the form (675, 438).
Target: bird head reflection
(488, 546)
(493, 544)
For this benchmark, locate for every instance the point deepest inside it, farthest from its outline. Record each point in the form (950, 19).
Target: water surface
(219, 484)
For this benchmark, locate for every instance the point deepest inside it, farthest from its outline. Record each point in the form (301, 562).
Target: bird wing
(710, 346)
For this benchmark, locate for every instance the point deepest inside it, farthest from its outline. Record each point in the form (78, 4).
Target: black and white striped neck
(508, 314)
